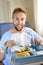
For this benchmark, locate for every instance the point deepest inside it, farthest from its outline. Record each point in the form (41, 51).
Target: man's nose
(20, 21)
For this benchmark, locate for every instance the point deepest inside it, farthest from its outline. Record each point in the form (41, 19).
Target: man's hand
(10, 43)
(1, 56)
(37, 41)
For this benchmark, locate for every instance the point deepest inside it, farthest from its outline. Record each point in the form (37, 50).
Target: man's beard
(18, 29)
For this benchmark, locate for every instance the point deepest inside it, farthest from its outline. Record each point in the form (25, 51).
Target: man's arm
(2, 51)
(37, 38)
(9, 43)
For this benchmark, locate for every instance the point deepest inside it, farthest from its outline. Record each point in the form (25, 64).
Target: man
(19, 35)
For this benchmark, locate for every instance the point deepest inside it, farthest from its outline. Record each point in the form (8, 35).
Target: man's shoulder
(27, 28)
(11, 30)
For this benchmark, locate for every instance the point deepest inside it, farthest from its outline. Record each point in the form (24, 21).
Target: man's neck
(19, 31)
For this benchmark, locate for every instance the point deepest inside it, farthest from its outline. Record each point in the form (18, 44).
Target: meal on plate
(26, 48)
(22, 54)
(22, 49)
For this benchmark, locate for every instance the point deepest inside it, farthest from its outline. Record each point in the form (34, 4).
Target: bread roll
(22, 54)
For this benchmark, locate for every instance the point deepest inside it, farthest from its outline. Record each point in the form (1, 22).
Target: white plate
(17, 48)
(40, 52)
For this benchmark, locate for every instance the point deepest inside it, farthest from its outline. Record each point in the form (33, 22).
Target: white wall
(30, 11)
(16, 3)
(4, 11)
(38, 14)
(1, 12)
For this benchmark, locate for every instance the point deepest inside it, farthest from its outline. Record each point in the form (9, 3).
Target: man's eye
(22, 19)
(17, 19)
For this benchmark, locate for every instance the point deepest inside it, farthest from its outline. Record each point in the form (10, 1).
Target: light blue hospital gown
(21, 39)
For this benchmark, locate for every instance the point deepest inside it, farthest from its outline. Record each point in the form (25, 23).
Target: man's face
(19, 20)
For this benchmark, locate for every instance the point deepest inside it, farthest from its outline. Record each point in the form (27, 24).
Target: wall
(30, 11)
(3, 10)
(16, 3)
(38, 16)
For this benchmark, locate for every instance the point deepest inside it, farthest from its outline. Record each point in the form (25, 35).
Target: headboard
(6, 26)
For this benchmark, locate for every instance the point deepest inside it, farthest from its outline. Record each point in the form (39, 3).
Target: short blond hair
(19, 10)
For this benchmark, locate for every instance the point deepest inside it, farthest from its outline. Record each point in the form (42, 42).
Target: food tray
(34, 57)
(26, 59)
